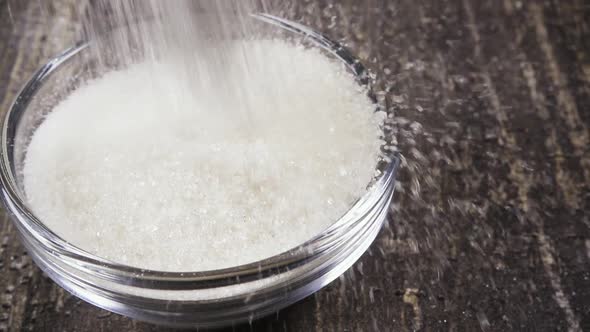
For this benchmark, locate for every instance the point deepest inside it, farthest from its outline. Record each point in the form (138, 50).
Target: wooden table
(493, 106)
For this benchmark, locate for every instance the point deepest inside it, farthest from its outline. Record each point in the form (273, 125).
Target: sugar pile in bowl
(145, 167)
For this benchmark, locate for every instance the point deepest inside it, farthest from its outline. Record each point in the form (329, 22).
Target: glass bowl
(183, 299)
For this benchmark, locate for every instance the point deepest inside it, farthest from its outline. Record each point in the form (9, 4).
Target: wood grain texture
(490, 228)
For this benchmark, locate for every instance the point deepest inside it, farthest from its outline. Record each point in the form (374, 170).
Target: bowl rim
(174, 280)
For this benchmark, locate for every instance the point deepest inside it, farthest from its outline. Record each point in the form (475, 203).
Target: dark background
(489, 230)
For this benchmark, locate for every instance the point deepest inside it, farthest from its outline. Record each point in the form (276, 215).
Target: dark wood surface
(490, 228)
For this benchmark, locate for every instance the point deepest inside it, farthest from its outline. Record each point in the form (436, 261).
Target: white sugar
(146, 168)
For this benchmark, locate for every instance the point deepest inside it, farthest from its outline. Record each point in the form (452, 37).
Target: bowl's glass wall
(53, 90)
(209, 299)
